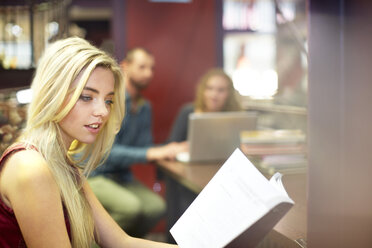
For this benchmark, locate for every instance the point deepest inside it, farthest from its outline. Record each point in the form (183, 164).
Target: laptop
(214, 136)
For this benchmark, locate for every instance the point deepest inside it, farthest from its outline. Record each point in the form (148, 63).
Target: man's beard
(139, 85)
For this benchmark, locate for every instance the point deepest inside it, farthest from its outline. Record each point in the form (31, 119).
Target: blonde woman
(214, 93)
(77, 106)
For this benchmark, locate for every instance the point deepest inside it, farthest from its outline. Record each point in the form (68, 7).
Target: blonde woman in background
(215, 93)
(77, 107)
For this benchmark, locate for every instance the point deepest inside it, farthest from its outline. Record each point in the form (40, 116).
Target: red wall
(183, 39)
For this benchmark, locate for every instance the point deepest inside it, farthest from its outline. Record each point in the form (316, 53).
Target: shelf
(14, 78)
(270, 107)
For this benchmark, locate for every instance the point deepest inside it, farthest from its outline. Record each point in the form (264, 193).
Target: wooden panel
(183, 40)
(340, 137)
(15, 78)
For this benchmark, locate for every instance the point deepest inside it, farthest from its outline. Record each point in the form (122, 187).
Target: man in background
(135, 207)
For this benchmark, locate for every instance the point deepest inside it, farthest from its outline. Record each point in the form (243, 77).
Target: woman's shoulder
(21, 152)
(25, 171)
(27, 157)
(188, 107)
(24, 166)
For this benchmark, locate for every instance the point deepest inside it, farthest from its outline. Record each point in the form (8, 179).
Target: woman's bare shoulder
(26, 162)
(26, 168)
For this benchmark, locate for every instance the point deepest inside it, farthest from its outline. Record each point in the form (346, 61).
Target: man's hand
(168, 151)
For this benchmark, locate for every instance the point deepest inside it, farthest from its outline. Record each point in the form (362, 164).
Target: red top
(10, 233)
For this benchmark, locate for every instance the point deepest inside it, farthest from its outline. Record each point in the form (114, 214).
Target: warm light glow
(257, 84)
(52, 29)
(24, 96)
(13, 29)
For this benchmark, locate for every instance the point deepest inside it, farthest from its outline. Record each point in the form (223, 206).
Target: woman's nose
(101, 109)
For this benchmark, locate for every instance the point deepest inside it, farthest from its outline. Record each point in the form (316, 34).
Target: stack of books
(276, 150)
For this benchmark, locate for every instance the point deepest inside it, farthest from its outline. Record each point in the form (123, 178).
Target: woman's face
(91, 111)
(216, 93)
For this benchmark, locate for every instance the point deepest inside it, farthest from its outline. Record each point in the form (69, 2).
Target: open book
(237, 208)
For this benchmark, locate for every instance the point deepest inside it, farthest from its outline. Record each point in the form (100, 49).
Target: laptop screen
(214, 136)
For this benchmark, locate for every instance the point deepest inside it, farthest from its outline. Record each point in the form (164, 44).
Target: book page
(236, 197)
(276, 180)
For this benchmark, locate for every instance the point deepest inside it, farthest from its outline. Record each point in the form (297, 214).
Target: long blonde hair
(59, 66)
(231, 104)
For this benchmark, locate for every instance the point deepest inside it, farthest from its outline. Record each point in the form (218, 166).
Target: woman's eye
(85, 98)
(109, 102)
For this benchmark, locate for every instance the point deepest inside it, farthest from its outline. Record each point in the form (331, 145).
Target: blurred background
(262, 45)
